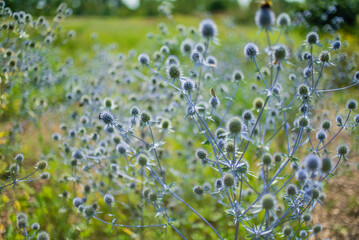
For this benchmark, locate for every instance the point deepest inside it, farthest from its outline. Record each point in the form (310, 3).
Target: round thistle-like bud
(303, 234)
(306, 56)
(35, 226)
(277, 157)
(214, 101)
(283, 20)
(201, 154)
(89, 211)
(198, 190)
(292, 190)
(356, 76)
(41, 165)
(108, 102)
(303, 121)
(21, 215)
(77, 154)
(206, 186)
(321, 135)
(19, 158)
(303, 90)
(292, 77)
(143, 59)
(312, 38)
(307, 217)
(339, 119)
(174, 71)
(43, 236)
(165, 124)
(81, 208)
(22, 223)
(312, 162)
(287, 231)
(146, 192)
(142, 159)
(317, 228)
(77, 202)
(294, 166)
(324, 57)
(352, 104)
(73, 163)
(247, 115)
(56, 136)
(326, 165)
(243, 168)
(315, 193)
(281, 52)
(326, 124)
(106, 117)
(301, 175)
(145, 117)
(265, 17)
(251, 50)
(172, 60)
(268, 202)
(220, 133)
(342, 150)
(109, 199)
(208, 28)
(211, 60)
(336, 45)
(230, 148)
(356, 119)
(121, 149)
(134, 111)
(186, 46)
(258, 103)
(200, 47)
(196, 56)
(165, 50)
(267, 159)
(218, 184)
(235, 125)
(307, 71)
(45, 175)
(228, 180)
(188, 85)
(237, 76)
(152, 196)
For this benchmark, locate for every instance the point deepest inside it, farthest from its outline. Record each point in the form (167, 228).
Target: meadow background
(126, 28)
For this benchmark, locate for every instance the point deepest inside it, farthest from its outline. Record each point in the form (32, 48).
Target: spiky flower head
(143, 59)
(109, 199)
(208, 29)
(251, 50)
(283, 20)
(43, 236)
(174, 71)
(228, 180)
(268, 202)
(312, 38)
(235, 125)
(106, 117)
(312, 162)
(265, 17)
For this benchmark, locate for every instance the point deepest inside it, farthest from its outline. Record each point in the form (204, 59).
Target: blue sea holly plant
(200, 136)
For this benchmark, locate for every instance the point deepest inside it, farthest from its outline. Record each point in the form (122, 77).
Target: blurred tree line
(348, 9)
